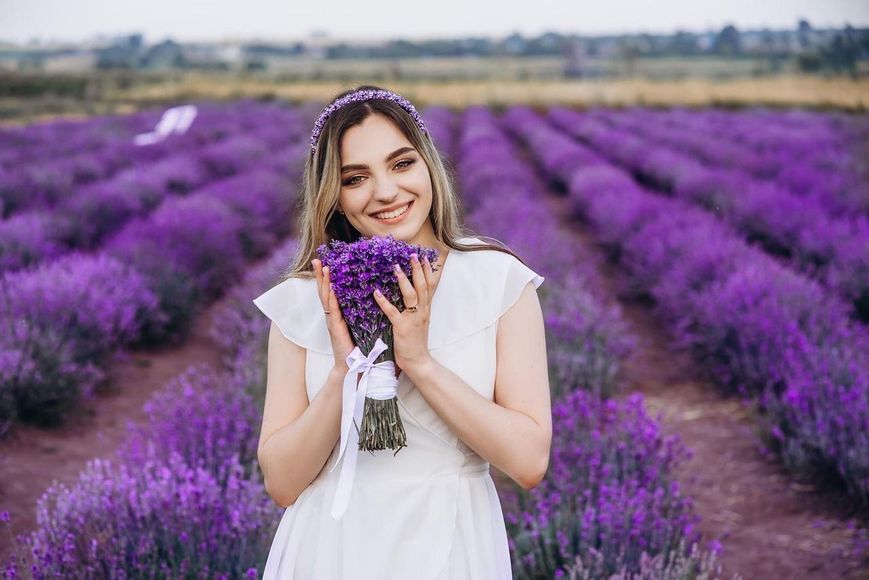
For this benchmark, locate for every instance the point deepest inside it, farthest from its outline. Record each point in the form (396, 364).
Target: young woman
(470, 353)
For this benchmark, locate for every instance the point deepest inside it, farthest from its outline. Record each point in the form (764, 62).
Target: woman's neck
(427, 239)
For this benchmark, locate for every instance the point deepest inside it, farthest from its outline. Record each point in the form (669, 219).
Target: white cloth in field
(430, 512)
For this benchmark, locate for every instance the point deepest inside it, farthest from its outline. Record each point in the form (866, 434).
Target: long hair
(318, 219)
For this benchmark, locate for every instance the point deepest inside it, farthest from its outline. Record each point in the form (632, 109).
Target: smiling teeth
(392, 214)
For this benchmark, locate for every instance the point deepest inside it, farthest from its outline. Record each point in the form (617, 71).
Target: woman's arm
(513, 433)
(296, 437)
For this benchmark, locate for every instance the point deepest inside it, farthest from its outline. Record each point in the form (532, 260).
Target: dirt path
(770, 525)
(31, 458)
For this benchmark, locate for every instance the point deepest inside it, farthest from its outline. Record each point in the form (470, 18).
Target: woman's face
(381, 171)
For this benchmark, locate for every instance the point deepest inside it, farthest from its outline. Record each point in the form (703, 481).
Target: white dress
(431, 511)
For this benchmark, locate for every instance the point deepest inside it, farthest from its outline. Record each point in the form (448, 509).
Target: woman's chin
(399, 231)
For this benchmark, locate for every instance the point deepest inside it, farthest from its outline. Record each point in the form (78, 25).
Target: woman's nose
(386, 189)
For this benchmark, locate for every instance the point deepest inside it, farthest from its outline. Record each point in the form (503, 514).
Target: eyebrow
(389, 157)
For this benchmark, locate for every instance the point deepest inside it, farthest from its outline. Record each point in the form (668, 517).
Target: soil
(31, 457)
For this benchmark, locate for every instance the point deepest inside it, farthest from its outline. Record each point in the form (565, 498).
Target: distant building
(167, 55)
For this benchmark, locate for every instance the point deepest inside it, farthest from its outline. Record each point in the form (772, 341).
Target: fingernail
(377, 291)
(396, 268)
(415, 257)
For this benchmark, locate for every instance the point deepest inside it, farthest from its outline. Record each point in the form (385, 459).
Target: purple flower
(356, 269)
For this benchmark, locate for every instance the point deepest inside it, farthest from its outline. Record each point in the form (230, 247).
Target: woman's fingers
(332, 301)
(428, 274)
(324, 284)
(408, 292)
(330, 293)
(419, 280)
(386, 306)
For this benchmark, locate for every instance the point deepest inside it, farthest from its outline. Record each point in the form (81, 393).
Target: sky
(22, 21)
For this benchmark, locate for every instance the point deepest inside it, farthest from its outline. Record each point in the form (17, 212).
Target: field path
(770, 525)
(32, 457)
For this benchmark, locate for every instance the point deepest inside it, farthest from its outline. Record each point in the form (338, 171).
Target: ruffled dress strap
(294, 305)
(475, 290)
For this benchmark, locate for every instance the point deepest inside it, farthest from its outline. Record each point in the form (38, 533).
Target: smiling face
(381, 171)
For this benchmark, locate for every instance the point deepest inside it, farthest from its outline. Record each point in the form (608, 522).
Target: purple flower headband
(363, 95)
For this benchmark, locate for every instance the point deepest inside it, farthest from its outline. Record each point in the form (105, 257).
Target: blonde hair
(317, 218)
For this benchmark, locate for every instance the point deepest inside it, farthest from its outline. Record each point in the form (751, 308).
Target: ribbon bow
(383, 385)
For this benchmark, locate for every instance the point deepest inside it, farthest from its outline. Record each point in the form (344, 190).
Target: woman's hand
(410, 329)
(342, 341)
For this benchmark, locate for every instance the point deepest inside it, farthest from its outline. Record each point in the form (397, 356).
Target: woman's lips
(395, 220)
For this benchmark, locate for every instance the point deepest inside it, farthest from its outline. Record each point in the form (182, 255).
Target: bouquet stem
(381, 426)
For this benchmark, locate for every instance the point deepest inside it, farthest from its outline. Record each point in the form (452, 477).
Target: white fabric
(383, 386)
(431, 510)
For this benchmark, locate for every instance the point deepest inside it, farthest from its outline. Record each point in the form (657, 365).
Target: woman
(471, 359)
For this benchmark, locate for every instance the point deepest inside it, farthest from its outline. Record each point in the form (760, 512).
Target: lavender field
(708, 253)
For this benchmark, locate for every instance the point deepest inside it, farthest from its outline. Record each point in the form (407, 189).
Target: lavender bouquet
(356, 269)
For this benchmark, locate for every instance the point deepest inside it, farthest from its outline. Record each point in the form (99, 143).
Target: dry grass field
(803, 91)
(119, 93)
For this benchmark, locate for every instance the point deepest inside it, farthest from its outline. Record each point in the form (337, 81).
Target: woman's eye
(408, 161)
(400, 165)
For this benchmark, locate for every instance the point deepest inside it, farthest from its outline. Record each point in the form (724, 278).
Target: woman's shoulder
(479, 287)
(501, 268)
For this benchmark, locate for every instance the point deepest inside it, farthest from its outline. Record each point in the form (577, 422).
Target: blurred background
(100, 56)
(691, 179)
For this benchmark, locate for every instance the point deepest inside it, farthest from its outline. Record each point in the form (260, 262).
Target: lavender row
(817, 138)
(609, 499)
(52, 174)
(20, 146)
(837, 250)
(820, 159)
(55, 179)
(62, 321)
(184, 495)
(85, 220)
(824, 160)
(94, 136)
(587, 338)
(759, 328)
(441, 124)
(798, 229)
(694, 133)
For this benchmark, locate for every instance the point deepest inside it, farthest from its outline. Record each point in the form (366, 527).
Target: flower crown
(363, 95)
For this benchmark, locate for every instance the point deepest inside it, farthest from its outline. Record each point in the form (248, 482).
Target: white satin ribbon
(378, 382)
